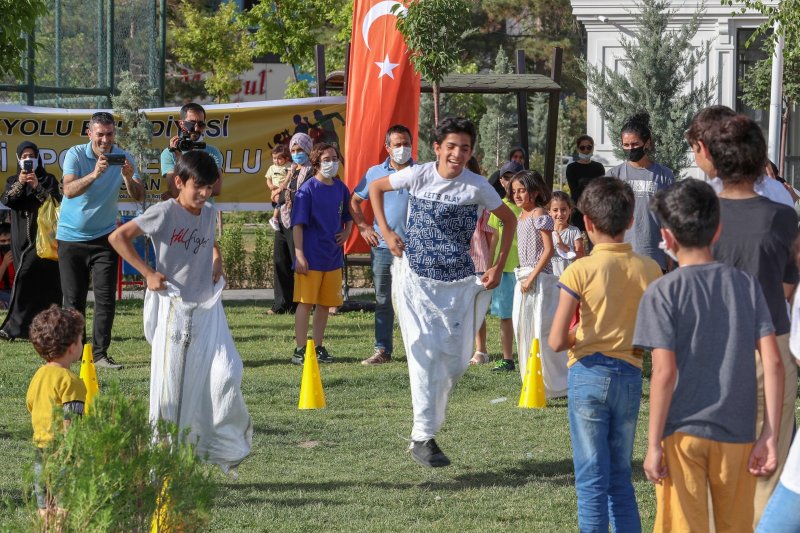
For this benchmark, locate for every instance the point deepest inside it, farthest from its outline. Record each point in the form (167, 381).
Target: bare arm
(662, 383)
(121, 239)
(376, 191)
(491, 278)
(300, 262)
(368, 233)
(764, 457)
(216, 263)
(132, 185)
(561, 337)
(579, 250)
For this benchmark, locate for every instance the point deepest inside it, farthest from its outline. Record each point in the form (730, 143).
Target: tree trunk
(435, 86)
(784, 134)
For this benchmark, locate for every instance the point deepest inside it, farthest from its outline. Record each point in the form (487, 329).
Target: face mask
(4, 249)
(401, 154)
(329, 168)
(585, 157)
(301, 158)
(634, 154)
(663, 246)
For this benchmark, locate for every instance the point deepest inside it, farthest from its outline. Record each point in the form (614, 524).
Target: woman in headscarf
(283, 251)
(37, 282)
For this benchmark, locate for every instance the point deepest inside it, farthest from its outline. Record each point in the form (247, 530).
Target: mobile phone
(27, 165)
(115, 159)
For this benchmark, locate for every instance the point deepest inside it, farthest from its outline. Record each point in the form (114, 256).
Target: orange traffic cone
(89, 376)
(532, 395)
(311, 394)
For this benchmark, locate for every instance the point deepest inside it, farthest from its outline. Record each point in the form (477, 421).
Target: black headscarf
(24, 145)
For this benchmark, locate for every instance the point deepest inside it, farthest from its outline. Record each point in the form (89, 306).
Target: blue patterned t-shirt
(442, 215)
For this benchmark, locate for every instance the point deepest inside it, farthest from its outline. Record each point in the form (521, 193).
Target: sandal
(480, 358)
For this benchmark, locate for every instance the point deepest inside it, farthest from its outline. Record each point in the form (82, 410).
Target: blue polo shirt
(93, 213)
(395, 203)
(168, 158)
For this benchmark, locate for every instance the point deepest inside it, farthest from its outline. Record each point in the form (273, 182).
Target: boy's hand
(654, 467)
(491, 278)
(300, 264)
(7, 258)
(395, 243)
(216, 269)
(763, 459)
(155, 281)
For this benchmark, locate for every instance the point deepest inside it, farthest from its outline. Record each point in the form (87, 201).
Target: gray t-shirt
(645, 234)
(184, 246)
(711, 316)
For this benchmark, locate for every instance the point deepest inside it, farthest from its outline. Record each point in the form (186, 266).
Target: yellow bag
(46, 245)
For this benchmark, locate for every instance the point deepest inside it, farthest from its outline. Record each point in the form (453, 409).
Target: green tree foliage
(18, 20)
(786, 13)
(436, 39)
(660, 64)
(218, 44)
(497, 130)
(110, 466)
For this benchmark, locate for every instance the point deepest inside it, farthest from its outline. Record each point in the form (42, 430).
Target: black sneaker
(427, 453)
(107, 362)
(323, 356)
(504, 365)
(298, 355)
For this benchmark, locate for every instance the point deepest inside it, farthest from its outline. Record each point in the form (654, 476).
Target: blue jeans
(780, 515)
(604, 398)
(384, 312)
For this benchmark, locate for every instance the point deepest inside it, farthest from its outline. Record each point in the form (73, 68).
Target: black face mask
(634, 154)
(4, 248)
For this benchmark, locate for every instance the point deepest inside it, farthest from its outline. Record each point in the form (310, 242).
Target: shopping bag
(46, 245)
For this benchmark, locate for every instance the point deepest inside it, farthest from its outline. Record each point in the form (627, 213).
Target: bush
(261, 260)
(112, 470)
(233, 255)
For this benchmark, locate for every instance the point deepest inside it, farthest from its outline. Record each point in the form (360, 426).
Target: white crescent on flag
(379, 10)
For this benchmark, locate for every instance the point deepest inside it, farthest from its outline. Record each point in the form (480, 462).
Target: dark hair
(199, 166)
(454, 125)
(534, 184)
(735, 143)
(690, 210)
(474, 166)
(638, 124)
(608, 202)
(318, 150)
(54, 330)
(5, 227)
(398, 128)
(561, 196)
(102, 117)
(582, 138)
(282, 150)
(191, 106)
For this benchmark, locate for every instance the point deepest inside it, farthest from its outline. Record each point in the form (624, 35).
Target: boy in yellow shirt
(57, 336)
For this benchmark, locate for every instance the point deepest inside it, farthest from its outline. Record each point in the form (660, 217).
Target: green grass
(345, 468)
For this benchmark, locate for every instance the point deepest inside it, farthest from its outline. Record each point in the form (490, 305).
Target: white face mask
(329, 168)
(585, 156)
(663, 246)
(401, 154)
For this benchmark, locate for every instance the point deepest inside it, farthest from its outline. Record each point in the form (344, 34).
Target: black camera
(27, 165)
(185, 143)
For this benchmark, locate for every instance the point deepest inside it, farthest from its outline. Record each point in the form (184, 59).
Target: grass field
(345, 468)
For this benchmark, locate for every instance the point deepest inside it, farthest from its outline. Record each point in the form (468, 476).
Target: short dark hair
(191, 106)
(102, 117)
(282, 150)
(398, 128)
(638, 124)
(690, 210)
(561, 196)
(199, 166)
(609, 203)
(735, 143)
(5, 227)
(54, 330)
(473, 166)
(534, 184)
(318, 150)
(582, 138)
(454, 125)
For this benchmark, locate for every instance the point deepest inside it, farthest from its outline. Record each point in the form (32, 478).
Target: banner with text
(245, 133)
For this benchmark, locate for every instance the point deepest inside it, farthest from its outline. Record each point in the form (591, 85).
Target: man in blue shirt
(88, 215)
(192, 123)
(398, 146)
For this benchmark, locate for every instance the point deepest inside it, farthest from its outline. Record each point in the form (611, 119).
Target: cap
(510, 167)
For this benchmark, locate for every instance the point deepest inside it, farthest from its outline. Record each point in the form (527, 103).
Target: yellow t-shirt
(608, 285)
(513, 255)
(51, 385)
(276, 174)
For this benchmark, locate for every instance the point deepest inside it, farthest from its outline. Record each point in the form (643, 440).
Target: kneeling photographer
(192, 125)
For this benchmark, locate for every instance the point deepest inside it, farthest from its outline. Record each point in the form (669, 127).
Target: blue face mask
(301, 158)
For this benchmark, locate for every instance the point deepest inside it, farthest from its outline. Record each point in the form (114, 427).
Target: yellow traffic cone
(532, 395)
(89, 376)
(311, 394)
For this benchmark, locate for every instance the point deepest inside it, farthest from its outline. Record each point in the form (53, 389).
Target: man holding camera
(93, 174)
(192, 125)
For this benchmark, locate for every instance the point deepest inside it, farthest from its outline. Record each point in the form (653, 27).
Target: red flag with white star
(382, 90)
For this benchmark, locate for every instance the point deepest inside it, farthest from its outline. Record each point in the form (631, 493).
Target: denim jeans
(384, 312)
(781, 515)
(604, 398)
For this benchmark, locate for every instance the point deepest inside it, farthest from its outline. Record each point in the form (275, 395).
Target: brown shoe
(379, 357)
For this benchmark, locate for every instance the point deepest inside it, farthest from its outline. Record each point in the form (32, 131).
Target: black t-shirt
(757, 237)
(578, 177)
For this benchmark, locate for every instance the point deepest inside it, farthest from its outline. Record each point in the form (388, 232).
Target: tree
(434, 31)
(786, 14)
(660, 65)
(218, 44)
(497, 130)
(18, 21)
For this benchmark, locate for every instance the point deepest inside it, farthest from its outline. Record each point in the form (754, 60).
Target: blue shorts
(503, 296)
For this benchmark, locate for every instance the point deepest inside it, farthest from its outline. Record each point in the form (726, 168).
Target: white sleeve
(488, 197)
(404, 178)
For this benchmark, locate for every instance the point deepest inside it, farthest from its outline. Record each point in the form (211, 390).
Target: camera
(27, 165)
(185, 143)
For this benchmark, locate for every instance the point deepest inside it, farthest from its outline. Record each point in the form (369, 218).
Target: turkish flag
(382, 90)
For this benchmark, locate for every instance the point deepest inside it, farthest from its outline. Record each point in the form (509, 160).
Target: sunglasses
(192, 124)
(585, 148)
